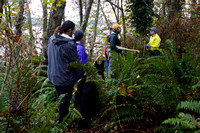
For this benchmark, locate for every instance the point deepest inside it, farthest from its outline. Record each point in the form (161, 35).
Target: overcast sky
(70, 11)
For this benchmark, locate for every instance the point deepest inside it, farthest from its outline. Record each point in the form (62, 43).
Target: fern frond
(74, 113)
(177, 122)
(45, 82)
(44, 96)
(197, 85)
(190, 106)
(186, 117)
(39, 67)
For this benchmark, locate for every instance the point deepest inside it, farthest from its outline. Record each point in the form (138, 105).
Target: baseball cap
(154, 29)
(115, 26)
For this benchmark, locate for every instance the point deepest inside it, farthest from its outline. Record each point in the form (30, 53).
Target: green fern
(185, 124)
(125, 72)
(121, 114)
(166, 78)
(126, 113)
(197, 85)
(186, 121)
(88, 69)
(193, 106)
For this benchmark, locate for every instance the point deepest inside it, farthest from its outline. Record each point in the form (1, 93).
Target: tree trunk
(124, 24)
(63, 19)
(118, 9)
(87, 14)
(44, 8)
(163, 8)
(95, 28)
(30, 27)
(19, 20)
(193, 9)
(107, 22)
(96, 21)
(7, 13)
(174, 7)
(80, 11)
(123, 19)
(117, 19)
(1, 8)
(55, 20)
(194, 1)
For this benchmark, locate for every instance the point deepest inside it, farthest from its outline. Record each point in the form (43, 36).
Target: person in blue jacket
(79, 100)
(61, 51)
(79, 38)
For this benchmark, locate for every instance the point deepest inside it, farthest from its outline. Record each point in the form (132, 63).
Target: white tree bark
(87, 15)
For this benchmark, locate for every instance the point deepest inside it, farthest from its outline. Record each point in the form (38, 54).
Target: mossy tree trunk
(44, 26)
(54, 21)
(20, 18)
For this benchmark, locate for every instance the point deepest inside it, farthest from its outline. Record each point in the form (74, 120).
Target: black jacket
(114, 41)
(61, 51)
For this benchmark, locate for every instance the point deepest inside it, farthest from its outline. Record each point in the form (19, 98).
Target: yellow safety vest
(154, 42)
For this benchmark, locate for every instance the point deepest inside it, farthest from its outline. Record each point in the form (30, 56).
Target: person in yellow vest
(154, 42)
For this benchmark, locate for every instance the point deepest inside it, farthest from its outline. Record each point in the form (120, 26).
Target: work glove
(147, 46)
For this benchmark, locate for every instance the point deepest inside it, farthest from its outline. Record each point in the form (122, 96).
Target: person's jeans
(65, 101)
(107, 65)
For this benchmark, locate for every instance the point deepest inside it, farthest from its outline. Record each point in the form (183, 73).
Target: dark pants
(88, 103)
(65, 101)
(154, 53)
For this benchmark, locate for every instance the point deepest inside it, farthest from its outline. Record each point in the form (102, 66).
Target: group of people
(64, 49)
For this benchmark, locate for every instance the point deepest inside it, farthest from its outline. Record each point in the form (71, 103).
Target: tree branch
(87, 14)
(81, 11)
(105, 16)
(114, 13)
(114, 4)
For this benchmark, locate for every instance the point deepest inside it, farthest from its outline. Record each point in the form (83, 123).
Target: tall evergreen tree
(141, 13)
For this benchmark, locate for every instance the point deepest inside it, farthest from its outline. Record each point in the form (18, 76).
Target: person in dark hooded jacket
(61, 51)
(114, 40)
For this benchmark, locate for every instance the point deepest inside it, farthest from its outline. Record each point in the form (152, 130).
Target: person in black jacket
(114, 40)
(61, 51)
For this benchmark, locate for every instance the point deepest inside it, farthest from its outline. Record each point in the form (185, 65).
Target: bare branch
(114, 4)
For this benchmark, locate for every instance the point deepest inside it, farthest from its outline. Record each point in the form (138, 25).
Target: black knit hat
(78, 35)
